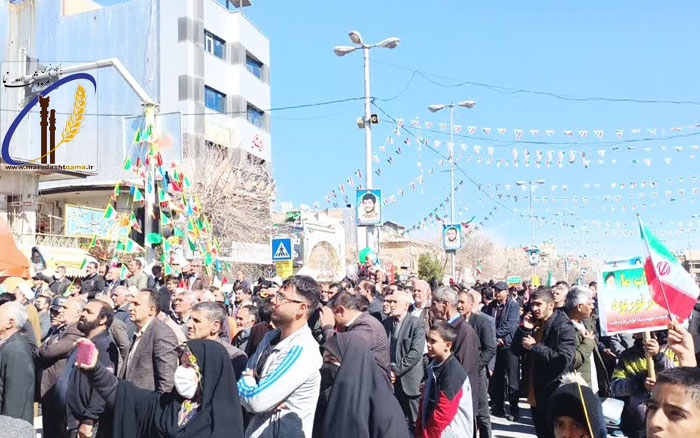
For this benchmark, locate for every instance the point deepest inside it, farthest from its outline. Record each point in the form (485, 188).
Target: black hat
(57, 302)
(566, 401)
(501, 285)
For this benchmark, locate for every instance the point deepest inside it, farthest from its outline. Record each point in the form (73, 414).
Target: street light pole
(451, 147)
(388, 43)
(532, 213)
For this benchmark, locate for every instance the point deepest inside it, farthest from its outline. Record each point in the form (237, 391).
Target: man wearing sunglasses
(281, 383)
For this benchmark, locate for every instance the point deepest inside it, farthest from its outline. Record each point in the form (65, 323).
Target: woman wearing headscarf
(355, 401)
(204, 402)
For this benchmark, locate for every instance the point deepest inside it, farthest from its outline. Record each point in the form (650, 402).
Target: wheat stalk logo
(75, 121)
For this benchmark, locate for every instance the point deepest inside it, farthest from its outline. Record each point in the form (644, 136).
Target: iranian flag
(670, 285)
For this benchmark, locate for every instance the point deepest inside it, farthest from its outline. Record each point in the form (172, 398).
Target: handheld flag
(670, 285)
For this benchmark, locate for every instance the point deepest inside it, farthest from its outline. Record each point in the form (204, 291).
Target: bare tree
(235, 190)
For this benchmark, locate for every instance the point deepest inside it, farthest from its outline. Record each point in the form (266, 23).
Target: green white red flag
(670, 285)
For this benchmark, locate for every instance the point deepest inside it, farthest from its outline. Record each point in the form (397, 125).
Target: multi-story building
(203, 62)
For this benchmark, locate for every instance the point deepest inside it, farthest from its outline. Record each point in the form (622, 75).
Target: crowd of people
(177, 356)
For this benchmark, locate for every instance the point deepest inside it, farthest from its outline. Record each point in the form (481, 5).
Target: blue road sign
(281, 249)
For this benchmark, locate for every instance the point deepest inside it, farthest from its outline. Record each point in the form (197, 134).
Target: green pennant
(93, 242)
(137, 136)
(208, 260)
(109, 211)
(138, 196)
(166, 245)
(192, 244)
(179, 232)
(84, 263)
(127, 164)
(154, 238)
(164, 219)
(162, 257)
(168, 270)
(123, 273)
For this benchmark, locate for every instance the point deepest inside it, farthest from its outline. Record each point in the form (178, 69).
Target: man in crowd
(368, 290)
(506, 375)
(183, 301)
(289, 357)
(421, 302)
(198, 279)
(243, 296)
(92, 283)
(206, 323)
(84, 406)
(122, 296)
(466, 347)
(246, 317)
(587, 359)
(560, 289)
(42, 305)
(486, 333)
(50, 360)
(549, 339)
(137, 277)
(344, 313)
(60, 283)
(406, 335)
(152, 359)
(112, 280)
(16, 366)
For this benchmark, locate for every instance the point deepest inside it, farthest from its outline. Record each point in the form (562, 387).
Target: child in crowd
(446, 403)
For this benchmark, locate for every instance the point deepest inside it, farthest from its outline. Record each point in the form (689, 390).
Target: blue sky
(641, 50)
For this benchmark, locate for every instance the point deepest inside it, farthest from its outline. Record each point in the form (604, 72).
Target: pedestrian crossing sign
(281, 249)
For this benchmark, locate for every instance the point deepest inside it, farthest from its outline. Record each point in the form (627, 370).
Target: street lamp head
(355, 37)
(521, 183)
(540, 181)
(467, 104)
(435, 108)
(343, 50)
(389, 43)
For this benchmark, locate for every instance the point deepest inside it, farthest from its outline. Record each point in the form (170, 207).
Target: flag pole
(661, 285)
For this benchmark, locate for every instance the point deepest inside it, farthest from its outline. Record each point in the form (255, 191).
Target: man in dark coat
(84, 406)
(406, 335)
(506, 374)
(466, 347)
(16, 367)
(92, 284)
(50, 360)
(343, 314)
(60, 282)
(485, 331)
(549, 340)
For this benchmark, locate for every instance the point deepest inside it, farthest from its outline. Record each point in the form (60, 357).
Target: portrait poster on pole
(624, 302)
(369, 204)
(452, 237)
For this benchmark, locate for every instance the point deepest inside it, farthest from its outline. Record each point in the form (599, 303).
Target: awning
(12, 262)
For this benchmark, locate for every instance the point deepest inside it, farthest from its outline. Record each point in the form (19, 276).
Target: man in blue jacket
(506, 311)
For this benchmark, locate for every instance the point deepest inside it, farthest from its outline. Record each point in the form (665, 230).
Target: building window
(253, 65)
(256, 116)
(215, 100)
(214, 45)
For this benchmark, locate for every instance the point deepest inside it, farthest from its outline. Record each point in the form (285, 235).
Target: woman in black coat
(203, 404)
(355, 400)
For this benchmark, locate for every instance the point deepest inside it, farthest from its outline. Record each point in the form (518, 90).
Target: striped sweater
(289, 375)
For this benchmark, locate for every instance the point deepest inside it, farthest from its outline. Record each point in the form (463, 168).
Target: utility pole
(388, 43)
(451, 147)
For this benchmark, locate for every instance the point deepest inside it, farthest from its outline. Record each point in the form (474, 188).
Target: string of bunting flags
(518, 133)
(166, 187)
